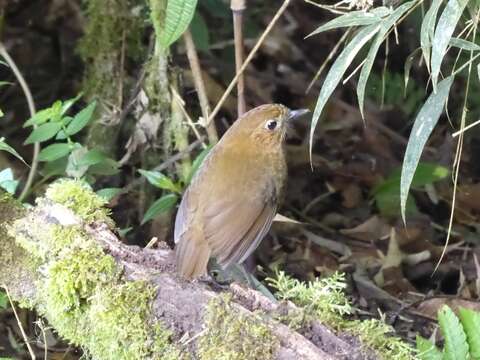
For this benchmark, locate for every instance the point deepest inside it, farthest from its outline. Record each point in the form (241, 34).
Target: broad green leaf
(39, 118)
(5, 147)
(425, 121)
(386, 24)
(43, 132)
(74, 169)
(352, 18)
(67, 104)
(427, 350)
(92, 157)
(338, 70)
(81, 119)
(428, 29)
(217, 8)
(197, 162)
(7, 181)
(456, 347)
(464, 44)
(179, 13)
(106, 167)
(471, 324)
(162, 205)
(443, 33)
(54, 168)
(387, 194)
(200, 33)
(54, 152)
(159, 180)
(109, 193)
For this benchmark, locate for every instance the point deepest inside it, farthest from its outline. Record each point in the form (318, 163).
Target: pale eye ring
(271, 125)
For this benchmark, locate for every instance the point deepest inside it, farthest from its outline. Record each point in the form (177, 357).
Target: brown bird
(232, 199)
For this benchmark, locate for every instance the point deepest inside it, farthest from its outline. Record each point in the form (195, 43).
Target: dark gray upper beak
(297, 113)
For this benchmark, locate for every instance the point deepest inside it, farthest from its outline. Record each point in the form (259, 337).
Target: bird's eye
(271, 124)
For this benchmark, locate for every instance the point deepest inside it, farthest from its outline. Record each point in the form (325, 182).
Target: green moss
(233, 336)
(79, 197)
(81, 290)
(324, 300)
(113, 26)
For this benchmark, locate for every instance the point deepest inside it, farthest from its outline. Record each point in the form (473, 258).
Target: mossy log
(63, 258)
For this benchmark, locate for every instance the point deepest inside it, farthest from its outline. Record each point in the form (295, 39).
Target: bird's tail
(192, 257)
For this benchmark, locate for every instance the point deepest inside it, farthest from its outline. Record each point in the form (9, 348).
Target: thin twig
(329, 57)
(238, 7)
(181, 104)
(199, 85)
(248, 59)
(24, 335)
(31, 107)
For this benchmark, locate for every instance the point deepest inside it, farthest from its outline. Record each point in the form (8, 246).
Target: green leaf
(74, 169)
(352, 18)
(407, 67)
(39, 118)
(162, 205)
(43, 132)
(425, 121)
(106, 167)
(197, 162)
(464, 44)
(427, 350)
(3, 302)
(338, 69)
(7, 181)
(179, 13)
(159, 180)
(200, 34)
(428, 29)
(387, 194)
(5, 147)
(54, 152)
(456, 347)
(471, 324)
(386, 24)
(67, 104)
(81, 119)
(92, 157)
(443, 32)
(109, 193)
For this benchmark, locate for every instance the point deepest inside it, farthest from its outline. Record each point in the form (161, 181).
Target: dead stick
(238, 7)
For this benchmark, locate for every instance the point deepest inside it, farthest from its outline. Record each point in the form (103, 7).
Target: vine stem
(31, 107)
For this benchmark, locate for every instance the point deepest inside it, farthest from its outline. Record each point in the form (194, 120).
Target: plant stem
(31, 107)
(238, 7)
(199, 85)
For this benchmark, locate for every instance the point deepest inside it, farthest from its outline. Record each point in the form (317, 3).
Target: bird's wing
(192, 250)
(235, 226)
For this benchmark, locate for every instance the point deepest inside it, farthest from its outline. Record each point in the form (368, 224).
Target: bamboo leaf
(456, 347)
(425, 121)
(464, 44)
(386, 24)
(179, 13)
(428, 29)
(407, 67)
(338, 70)
(353, 18)
(443, 33)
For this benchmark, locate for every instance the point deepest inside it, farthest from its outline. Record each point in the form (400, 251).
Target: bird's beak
(297, 113)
